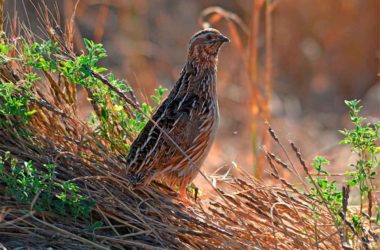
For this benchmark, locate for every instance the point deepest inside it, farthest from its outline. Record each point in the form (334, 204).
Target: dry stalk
(295, 171)
(1, 15)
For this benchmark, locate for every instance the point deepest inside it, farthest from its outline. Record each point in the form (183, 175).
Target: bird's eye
(208, 37)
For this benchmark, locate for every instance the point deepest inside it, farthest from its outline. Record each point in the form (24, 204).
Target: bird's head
(205, 44)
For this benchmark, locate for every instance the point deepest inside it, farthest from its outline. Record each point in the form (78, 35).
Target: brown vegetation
(241, 212)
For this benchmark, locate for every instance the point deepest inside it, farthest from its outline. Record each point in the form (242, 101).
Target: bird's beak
(223, 39)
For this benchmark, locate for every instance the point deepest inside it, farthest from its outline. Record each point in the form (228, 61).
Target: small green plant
(363, 139)
(14, 102)
(318, 163)
(328, 189)
(26, 183)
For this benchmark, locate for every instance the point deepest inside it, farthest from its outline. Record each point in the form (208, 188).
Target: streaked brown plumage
(189, 116)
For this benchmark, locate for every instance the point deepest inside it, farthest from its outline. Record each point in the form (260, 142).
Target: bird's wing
(153, 149)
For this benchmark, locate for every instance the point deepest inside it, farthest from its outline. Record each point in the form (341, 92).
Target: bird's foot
(183, 196)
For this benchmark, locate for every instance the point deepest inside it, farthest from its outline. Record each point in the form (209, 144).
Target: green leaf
(30, 113)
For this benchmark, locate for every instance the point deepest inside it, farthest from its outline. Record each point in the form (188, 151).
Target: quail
(189, 116)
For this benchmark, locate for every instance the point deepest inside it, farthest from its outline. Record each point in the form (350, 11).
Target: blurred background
(291, 62)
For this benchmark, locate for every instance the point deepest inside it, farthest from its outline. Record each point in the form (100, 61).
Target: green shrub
(113, 121)
(27, 184)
